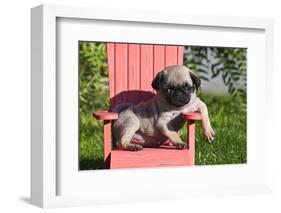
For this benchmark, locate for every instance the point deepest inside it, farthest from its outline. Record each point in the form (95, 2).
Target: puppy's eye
(167, 89)
(187, 86)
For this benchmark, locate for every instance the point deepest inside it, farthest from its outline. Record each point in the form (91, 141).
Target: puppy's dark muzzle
(183, 99)
(180, 98)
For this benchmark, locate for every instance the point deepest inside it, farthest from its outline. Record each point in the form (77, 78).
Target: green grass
(228, 119)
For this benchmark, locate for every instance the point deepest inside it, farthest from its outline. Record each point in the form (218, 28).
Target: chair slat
(171, 55)
(159, 58)
(180, 54)
(111, 71)
(146, 70)
(121, 72)
(133, 72)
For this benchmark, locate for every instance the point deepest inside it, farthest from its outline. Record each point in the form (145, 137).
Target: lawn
(228, 119)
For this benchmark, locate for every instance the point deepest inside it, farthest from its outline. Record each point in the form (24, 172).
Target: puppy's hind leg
(127, 134)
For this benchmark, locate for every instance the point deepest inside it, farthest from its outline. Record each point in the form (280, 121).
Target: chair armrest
(193, 116)
(105, 115)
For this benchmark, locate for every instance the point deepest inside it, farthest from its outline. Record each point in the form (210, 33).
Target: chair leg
(191, 141)
(107, 142)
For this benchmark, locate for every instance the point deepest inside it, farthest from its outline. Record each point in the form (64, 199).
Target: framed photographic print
(134, 106)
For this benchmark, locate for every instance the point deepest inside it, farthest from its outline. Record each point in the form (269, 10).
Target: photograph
(154, 105)
(126, 102)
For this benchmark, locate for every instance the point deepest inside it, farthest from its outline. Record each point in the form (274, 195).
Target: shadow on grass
(90, 164)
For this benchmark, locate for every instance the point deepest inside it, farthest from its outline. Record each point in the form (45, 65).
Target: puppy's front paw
(134, 147)
(209, 134)
(181, 145)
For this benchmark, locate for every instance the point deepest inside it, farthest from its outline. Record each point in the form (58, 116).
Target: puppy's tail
(121, 107)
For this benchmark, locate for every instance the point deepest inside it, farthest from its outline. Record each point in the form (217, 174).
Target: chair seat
(163, 156)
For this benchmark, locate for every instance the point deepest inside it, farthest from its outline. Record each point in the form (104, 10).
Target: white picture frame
(46, 165)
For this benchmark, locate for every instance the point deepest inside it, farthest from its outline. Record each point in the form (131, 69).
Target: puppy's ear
(158, 80)
(196, 80)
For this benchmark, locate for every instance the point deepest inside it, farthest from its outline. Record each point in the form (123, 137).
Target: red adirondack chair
(132, 68)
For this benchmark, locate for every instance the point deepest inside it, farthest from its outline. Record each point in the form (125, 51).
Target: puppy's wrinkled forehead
(178, 75)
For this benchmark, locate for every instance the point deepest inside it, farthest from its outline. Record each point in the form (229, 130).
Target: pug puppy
(152, 123)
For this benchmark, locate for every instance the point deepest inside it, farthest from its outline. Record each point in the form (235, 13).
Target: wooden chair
(132, 68)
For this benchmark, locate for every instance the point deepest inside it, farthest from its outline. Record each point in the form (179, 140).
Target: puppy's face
(175, 84)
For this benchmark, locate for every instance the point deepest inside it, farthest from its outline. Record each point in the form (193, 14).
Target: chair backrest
(132, 68)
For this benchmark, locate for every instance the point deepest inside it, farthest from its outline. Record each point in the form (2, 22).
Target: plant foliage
(93, 73)
(230, 64)
(93, 95)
